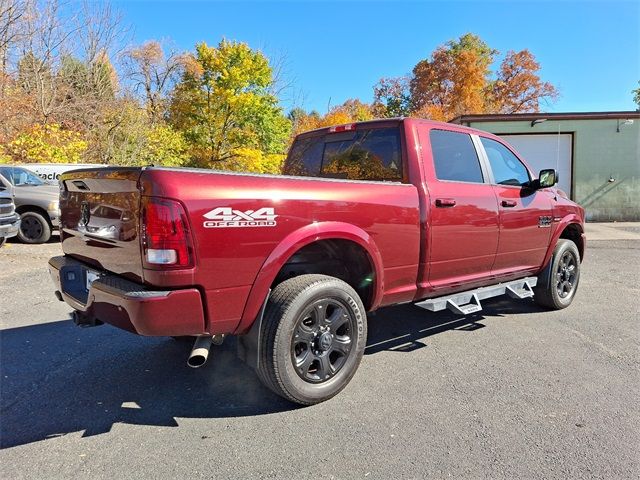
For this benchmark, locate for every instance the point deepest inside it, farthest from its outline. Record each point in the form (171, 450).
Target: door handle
(509, 203)
(445, 202)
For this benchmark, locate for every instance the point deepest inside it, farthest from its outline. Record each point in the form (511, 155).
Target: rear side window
(364, 154)
(454, 157)
(506, 167)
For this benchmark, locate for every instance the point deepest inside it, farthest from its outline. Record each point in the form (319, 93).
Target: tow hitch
(83, 321)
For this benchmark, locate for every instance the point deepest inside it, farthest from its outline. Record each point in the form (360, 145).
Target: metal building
(597, 155)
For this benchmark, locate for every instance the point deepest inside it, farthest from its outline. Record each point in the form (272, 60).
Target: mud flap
(250, 343)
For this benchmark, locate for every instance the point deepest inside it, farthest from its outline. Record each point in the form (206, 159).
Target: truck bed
(234, 240)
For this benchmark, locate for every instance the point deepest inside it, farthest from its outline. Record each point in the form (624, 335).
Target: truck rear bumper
(126, 304)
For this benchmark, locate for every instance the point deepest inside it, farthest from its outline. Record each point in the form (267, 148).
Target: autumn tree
(46, 144)
(518, 88)
(457, 79)
(352, 110)
(153, 73)
(453, 80)
(11, 22)
(128, 137)
(223, 103)
(57, 69)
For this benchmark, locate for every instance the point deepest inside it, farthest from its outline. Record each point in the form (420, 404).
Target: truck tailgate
(100, 219)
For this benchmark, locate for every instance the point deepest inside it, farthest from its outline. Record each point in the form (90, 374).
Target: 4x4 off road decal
(226, 217)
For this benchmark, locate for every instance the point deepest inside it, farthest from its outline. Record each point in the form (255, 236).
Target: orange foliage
(451, 83)
(352, 110)
(456, 80)
(518, 87)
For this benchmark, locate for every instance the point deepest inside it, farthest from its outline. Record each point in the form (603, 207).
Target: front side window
(507, 168)
(454, 157)
(363, 154)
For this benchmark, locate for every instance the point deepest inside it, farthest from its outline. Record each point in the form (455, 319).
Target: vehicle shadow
(58, 379)
(55, 238)
(403, 327)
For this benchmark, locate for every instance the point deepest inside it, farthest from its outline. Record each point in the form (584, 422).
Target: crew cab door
(525, 214)
(462, 225)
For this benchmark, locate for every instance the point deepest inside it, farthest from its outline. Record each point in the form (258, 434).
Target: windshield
(20, 176)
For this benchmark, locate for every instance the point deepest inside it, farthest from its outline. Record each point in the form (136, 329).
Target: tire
(34, 228)
(558, 282)
(313, 339)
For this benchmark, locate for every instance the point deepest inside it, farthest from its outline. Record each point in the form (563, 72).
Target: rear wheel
(34, 228)
(313, 340)
(558, 282)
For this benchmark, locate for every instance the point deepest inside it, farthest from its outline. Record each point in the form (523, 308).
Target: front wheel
(314, 336)
(558, 282)
(34, 228)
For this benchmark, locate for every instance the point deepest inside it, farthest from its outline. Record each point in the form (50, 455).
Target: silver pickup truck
(9, 219)
(36, 202)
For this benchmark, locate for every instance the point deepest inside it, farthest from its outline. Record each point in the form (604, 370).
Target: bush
(47, 144)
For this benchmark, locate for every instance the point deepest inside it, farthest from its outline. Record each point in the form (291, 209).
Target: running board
(468, 302)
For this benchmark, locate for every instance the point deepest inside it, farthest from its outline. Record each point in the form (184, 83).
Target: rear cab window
(454, 157)
(373, 154)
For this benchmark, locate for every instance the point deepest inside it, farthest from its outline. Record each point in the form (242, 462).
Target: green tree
(128, 137)
(391, 97)
(636, 96)
(223, 103)
(163, 146)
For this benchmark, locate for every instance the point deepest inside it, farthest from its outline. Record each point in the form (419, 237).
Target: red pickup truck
(365, 215)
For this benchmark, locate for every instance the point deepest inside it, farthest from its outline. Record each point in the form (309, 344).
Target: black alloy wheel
(322, 340)
(314, 333)
(566, 274)
(558, 282)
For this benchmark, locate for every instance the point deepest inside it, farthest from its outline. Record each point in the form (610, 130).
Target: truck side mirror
(547, 178)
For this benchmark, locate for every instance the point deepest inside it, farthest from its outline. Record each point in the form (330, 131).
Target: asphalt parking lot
(513, 392)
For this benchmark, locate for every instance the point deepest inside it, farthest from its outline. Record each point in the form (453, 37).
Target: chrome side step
(468, 302)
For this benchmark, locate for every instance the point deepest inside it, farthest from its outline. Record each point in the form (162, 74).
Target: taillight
(343, 128)
(165, 234)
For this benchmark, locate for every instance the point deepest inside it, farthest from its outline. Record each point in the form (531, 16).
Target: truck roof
(397, 120)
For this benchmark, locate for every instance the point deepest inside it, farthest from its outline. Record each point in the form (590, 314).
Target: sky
(332, 51)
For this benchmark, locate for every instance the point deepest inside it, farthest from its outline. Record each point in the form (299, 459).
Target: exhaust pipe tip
(196, 361)
(200, 352)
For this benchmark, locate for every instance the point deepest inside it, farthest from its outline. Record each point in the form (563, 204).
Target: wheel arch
(318, 234)
(571, 228)
(575, 233)
(36, 209)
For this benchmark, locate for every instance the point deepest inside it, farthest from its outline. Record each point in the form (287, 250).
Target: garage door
(546, 151)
